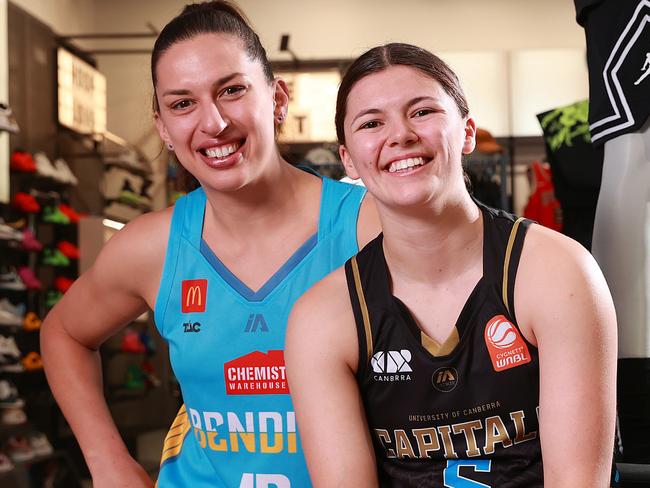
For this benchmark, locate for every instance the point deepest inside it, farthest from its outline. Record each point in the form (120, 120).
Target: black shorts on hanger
(618, 53)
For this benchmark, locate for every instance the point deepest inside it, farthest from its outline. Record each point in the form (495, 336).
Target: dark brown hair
(213, 17)
(397, 54)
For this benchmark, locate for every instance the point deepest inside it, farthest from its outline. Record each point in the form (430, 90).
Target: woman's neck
(435, 244)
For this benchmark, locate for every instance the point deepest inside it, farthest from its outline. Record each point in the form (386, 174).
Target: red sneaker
(23, 162)
(131, 342)
(26, 203)
(62, 283)
(29, 241)
(29, 278)
(68, 249)
(70, 213)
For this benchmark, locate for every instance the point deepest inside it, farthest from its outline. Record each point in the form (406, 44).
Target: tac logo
(191, 327)
(391, 361)
(444, 379)
(256, 322)
(256, 373)
(251, 480)
(505, 345)
(194, 294)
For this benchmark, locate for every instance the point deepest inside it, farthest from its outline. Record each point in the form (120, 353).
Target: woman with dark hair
(463, 347)
(221, 270)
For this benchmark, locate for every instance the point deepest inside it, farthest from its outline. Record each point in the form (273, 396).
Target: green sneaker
(134, 379)
(52, 297)
(54, 216)
(54, 257)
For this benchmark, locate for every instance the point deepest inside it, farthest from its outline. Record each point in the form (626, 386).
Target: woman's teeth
(222, 151)
(404, 164)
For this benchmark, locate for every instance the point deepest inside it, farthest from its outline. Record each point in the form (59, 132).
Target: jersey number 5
(451, 475)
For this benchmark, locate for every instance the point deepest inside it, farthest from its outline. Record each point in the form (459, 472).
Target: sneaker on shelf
(28, 277)
(131, 342)
(68, 249)
(31, 322)
(13, 416)
(54, 257)
(18, 449)
(130, 197)
(134, 378)
(63, 172)
(17, 224)
(147, 340)
(32, 361)
(9, 233)
(9, 279)
(44, 166)
(52, 298)
(62, 284)
(53, 215)
(39, 444)
(25, 203)
(7, 119)
(9, 355)
(71, 213)
(151, 380)
(29, 241)
(128, 158)
(9, 395)
(5, 463)
(22, 162)
(9, 318)
(121, 212)
(19, 309)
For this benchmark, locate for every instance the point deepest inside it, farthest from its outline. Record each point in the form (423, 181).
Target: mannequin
(618, 40)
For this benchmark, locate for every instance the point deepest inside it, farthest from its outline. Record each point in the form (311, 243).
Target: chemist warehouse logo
(391, 365)
(256, 373)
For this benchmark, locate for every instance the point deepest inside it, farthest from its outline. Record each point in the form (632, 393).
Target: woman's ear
(350, 169)
(162, 129)
(280, 100)
(469, 143)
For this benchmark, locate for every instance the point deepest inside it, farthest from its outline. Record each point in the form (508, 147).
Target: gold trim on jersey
(437, 349)
(506, 262)
(176, 435)
(363, 306)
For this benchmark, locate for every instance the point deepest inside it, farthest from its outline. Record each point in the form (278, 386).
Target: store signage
(82, 95)
(312, 105)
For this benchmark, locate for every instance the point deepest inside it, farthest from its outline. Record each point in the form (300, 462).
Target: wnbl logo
(391, 361)
(256, 322)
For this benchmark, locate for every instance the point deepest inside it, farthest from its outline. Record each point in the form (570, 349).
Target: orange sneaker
(31, 322)
(32, 361)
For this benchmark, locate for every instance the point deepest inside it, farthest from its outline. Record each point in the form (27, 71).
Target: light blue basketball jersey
(237, 428)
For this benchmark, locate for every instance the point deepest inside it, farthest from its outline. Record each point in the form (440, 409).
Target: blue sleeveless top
(237, 427)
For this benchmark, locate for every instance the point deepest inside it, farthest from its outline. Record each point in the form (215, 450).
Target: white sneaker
(39, 444)
(9, 355)
(5, 463)
(13, 416)
(14, 309)
(64, 173)
(7, 120)
(10, 319)
(44, 166)
(9, 395)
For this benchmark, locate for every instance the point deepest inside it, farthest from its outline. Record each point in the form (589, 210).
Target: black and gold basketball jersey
(462, 414)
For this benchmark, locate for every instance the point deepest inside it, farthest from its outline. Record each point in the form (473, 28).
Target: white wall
(476, 37)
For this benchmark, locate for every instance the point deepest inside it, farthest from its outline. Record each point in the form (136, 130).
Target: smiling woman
(221, 270)
(463, 345)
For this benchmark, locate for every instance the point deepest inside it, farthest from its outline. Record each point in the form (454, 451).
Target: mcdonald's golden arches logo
(194, 295)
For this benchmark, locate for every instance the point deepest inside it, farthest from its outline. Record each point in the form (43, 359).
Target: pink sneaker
(29, 242)
(29, 278)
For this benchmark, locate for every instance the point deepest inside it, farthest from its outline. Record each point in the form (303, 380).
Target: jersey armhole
(361, 315)
(169, 267)
(511, 263)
